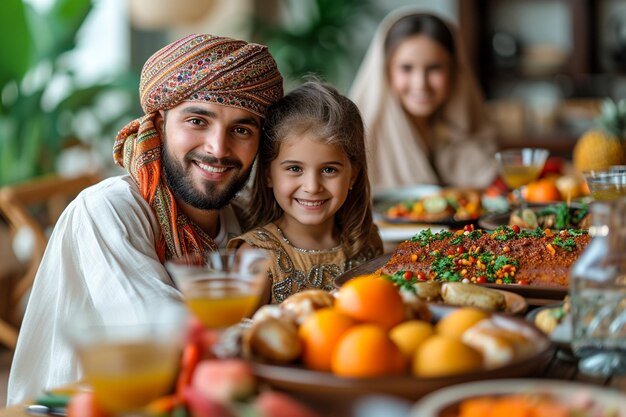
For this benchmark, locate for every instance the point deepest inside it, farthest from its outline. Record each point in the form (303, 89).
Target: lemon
(455, 323)
(442, 355)
(410, 334)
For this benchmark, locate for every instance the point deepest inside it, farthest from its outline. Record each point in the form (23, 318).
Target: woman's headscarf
(208, 68)
(397, 156)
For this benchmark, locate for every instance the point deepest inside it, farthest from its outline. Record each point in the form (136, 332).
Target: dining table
(561, 367)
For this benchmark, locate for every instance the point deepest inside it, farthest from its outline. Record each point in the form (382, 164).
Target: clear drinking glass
(133, 357)
(608, 184)
(598, 293)
(520, 167)
(221, 287)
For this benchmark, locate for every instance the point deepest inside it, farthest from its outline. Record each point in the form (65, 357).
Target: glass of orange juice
(608, 184)
(131, 356)
(221, 287)
(520, 167)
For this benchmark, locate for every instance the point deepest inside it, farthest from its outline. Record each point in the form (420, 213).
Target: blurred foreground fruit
(603, 146)
(458, 321)
(83, 404)
(409, 335)
(373, 300)
(277, 404)
(320, 333)
(443, 355)
(224, 380)
(366, 351)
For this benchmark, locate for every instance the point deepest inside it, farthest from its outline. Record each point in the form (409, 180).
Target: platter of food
(556, 216)
(531, 263)
(539, 397)
(313, 384)
(453, 207)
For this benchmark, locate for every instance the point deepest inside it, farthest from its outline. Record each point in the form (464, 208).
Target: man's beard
(211, 198)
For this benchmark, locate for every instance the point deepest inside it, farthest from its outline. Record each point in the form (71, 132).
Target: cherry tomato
(460, 249)
(408, 275)
(421, 276)
(515, 228)
(522, 282)
(451, 250)
(481, 279)
(468, 227)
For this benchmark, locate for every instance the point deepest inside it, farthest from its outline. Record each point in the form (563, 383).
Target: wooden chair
(33, 208)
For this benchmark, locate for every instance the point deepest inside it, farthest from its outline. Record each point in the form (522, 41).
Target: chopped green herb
(568, 244)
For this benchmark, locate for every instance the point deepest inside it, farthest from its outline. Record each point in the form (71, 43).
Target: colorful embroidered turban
(209, 68)
(215, 69)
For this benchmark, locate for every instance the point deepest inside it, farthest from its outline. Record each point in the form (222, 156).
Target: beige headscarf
(397, 156)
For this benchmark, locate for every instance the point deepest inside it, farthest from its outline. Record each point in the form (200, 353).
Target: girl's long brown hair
(319, 110)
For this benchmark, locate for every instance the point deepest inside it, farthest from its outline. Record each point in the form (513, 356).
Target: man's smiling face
(208, 151)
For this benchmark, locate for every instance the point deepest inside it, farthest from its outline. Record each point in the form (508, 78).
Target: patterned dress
(294, 269)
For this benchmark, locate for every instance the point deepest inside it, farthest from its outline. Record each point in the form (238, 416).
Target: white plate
(394, 195)
(433, 404)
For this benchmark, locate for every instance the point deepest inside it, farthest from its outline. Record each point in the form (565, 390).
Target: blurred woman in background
(424, 113)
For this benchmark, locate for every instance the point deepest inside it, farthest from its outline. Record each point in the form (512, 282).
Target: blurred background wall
(543, 64)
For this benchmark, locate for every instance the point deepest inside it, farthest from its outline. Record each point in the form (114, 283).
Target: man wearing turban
(204, 99)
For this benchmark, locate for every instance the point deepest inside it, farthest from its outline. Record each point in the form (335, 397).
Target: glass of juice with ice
(221, 287)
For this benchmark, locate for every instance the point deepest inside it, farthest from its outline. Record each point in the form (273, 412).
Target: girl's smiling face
(310, 180)
(420, 75)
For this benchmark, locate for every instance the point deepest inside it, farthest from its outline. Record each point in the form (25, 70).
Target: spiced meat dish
(506, 255)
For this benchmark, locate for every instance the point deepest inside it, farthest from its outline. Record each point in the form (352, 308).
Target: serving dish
(325, 386)
(494, 220)
(534, 292)
(444, 402)
(394, 197)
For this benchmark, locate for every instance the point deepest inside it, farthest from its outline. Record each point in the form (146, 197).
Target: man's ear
(159, 121)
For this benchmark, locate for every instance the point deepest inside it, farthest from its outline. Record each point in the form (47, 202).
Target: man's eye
(196, 121)
(242, 131)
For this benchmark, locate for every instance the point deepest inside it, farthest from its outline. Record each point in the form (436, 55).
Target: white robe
(101, 253)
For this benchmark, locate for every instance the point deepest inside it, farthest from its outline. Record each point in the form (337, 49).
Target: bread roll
(470, 295)
(305, 302)
(498, 345)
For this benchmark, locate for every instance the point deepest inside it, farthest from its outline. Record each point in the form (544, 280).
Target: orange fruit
(442, 355)
(408, 335)
(319, 334)
(371, 299)
(455, 323)
(366, 350)
(542, 191)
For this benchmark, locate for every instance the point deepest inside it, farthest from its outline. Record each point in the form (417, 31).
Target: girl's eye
(294, 168)
(329, 170)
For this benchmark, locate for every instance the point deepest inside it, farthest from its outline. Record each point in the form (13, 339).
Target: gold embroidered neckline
(287, 241)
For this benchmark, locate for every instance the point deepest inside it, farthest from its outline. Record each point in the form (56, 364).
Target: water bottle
(598, 293)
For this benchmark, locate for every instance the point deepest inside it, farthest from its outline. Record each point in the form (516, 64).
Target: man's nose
(216, 143)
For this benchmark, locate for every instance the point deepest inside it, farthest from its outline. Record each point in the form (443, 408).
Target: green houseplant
(321, 37)
(33, 127)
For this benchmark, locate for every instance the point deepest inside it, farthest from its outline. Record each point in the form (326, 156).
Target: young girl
(311, 193)
(426, 118)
